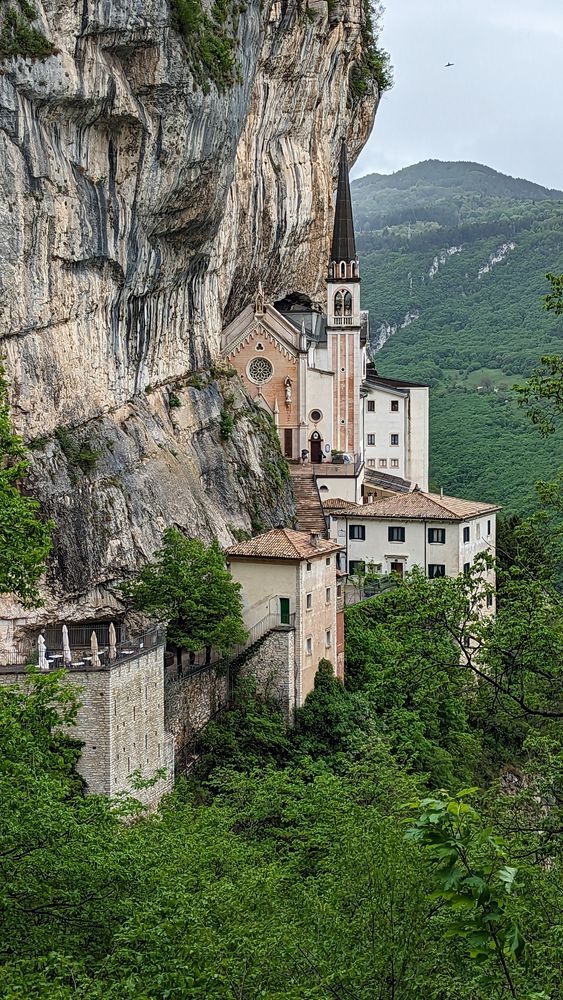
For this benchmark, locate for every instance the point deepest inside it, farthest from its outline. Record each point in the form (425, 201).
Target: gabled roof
(343, 241)
(283, 543)
(417, 506)
(270, 324)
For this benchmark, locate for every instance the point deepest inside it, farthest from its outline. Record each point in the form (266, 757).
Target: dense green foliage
(281, 868)
(478, 331)
(19, 36)
(374, 65)
(210, 38)
(189, 587)
(25, 542)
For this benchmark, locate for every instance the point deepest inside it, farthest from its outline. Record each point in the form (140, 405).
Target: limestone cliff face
(137, 215)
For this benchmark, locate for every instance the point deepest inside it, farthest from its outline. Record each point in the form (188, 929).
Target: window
(356, 566)
(371, 405)
(327, 561)
(466, 568)
(308, 566)
(382, 463)
(309, 601)
(478, 530)
(328, 638)
(466, 534)
(394, 439)
(260, 370)
(371, 438)
(323, 489)
(342, 269)
(347, 304)
(315, 416)
(394, 463)
(395, 534)
(358, 532)
(437, 536)
(488, 527)
(435, 570)
(338, 304)
(309, 645)
(371, 463)
(327, 595)
(394, 406)
(339, 590)
(489, 600)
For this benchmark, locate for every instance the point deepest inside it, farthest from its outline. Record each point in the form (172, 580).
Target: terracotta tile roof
(283, 543)
(416, 505)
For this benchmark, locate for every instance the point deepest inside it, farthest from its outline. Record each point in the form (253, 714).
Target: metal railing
(81, 655)
(331, 468)
(193, 663)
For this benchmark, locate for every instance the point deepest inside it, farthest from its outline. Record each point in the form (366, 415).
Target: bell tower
(345, 354)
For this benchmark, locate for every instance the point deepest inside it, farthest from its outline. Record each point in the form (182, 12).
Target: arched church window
(260, 370)
(342, 269)
(347, 304)
(338, 304)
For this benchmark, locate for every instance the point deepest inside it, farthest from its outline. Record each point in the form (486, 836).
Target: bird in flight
(448, 64)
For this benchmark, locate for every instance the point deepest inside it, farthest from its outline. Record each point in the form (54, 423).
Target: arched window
(353, 269)
(338, 304)
(347, 304)
(342, 269)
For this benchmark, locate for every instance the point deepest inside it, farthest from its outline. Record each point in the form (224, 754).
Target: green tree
(25, 541)
(471, 877)
(189, 587)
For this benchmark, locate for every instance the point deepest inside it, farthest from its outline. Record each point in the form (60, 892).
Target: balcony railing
(342, 321)
(337, 467)
(80, 652)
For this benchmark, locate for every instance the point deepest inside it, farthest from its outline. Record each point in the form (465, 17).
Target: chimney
(314, 539)
(441, 491)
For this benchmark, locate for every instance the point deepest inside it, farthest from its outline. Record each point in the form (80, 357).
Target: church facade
(309, 370)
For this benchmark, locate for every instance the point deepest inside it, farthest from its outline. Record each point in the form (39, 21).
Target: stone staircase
(310, 515)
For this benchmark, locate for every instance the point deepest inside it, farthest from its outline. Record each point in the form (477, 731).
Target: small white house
(288, 578)
(442, 535)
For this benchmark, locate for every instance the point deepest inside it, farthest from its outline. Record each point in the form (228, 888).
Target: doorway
(288, 442)
(316, 444)
(284, 610)
(397, 567)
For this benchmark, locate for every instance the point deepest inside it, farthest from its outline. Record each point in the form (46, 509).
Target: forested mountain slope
(454, 257)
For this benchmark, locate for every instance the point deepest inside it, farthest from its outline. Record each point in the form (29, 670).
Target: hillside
(454, 257)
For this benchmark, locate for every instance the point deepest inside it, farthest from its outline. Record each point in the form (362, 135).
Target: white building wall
(383, 456)
(319, 397)
(416, 550)
(418, 437)
(263, 582)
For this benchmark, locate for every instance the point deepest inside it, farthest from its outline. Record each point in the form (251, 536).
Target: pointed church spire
(343, 240)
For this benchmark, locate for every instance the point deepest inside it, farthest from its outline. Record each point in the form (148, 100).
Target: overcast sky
(500, 104)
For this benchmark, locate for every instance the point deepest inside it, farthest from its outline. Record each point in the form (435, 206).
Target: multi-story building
(442, 535)
(289, 579)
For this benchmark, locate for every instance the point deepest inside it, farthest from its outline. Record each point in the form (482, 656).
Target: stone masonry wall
(121, 724)
(189, 703)
(272, 662)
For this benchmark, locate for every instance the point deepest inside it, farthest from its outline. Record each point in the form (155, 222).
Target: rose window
(260, 370)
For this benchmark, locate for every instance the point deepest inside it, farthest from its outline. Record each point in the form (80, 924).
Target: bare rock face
(137, 215)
